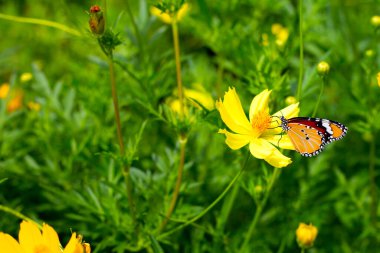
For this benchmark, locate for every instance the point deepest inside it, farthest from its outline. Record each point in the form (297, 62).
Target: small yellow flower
(378, 79)
(34, 106)
(281, 33)
(375, 21)
(25, 77)
(323, 68)
(168, 17)
(196, 97)
(16, 101)
(260, 131)
(306, 235)
(31, 240)
(4, 90)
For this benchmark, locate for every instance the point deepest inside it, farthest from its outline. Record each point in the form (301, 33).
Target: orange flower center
(260, 122)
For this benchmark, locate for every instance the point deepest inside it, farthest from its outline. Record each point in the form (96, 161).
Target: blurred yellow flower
(196, 98)
(306, 235)
(16, 101)
(167, 17)
(281, 33)
(31, 240)
(378, 79)
(25, 77)
(34, 106)
(260, 131)
(375, 21)
(4, 90)
(290, 100)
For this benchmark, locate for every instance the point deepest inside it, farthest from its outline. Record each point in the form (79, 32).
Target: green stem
(216, 201)
(178, 65)
(259, 210)
(319, 97)
(300, 78)
(303, 250)
(126, 168)
(372, 176)
(177, 185)
(18, 214)
(42, 22)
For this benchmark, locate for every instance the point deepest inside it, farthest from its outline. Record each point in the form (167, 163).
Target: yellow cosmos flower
(281, 33)
(16, 101)
(25, 77)
(31, 240)
(261, 132)
(195, 97)
(167, 17)
(306, 235)
(4, 90)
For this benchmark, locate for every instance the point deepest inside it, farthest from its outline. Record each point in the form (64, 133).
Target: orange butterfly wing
(306, 140)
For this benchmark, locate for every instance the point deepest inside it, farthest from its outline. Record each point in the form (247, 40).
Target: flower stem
(260, 208)
(320, 95)
(126, 168)
(178, 65)
(303, 250)
(216, 201)
(183, 139)
(300, 78)
(18, 215)
(177, 185)
(372, 175)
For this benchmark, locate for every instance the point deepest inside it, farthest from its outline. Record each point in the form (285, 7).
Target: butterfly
(310, 135)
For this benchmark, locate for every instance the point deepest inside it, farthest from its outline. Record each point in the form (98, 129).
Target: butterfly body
(310, 135)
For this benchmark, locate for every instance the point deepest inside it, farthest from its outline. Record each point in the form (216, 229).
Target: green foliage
(61, 163)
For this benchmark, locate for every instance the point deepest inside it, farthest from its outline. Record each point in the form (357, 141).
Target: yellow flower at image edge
(261, 132)
(306, 235)
(378, 79)
(167, 17)
(31, 240)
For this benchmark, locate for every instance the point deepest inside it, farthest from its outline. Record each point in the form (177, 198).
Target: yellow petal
(72, 245)
(50, 238)
(259, 104)
(235, 141)
(282, 141)
(232, 113)
(278, 160)
(29, 236)
(262, 149)
(165, 17)
(182, 11)
(9, 245)
(290, 111)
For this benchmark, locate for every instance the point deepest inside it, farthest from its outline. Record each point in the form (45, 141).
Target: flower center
(260, 122)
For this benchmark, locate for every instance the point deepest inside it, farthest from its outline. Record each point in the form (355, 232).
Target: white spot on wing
(326, 125)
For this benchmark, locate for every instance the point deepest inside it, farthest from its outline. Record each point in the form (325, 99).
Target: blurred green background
(59, 159)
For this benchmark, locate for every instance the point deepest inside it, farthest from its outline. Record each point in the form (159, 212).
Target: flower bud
(306, 235)
(290, 100)
(96, 21)
(323, 68)
(375, 21)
